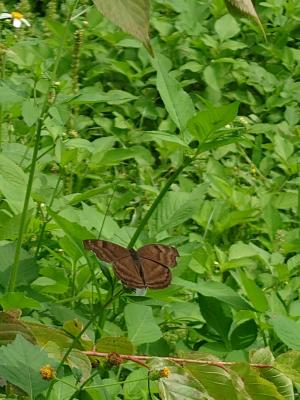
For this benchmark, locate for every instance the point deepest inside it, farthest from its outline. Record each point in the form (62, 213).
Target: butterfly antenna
(107, 211)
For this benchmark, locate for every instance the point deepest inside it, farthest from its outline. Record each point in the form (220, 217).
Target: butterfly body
(148, 266)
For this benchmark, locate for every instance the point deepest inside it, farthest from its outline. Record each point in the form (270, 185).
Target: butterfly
(147, 267)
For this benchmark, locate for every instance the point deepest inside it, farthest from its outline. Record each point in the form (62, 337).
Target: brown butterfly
(142, 268)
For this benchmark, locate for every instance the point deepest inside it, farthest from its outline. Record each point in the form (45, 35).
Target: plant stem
(47, 219)
(181, 361)
(2, 74)
(44, 111)
(16, 263)
(158, 199)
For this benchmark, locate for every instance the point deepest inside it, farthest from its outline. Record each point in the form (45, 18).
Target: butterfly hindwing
(156, 275)
(129, 272)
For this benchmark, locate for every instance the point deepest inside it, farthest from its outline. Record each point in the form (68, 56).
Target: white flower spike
(17, 18)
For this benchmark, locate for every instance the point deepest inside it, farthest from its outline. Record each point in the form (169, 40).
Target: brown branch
(181, 361)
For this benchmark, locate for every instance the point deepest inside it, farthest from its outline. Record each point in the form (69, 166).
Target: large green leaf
(288, 331)
(181, 385)
(217, 290)
(20, 363)
(27, 270)
(130, 15)
(205, 124)
(142, 328)
(217, 381)
(174, 209)
(260, 388)
(289, 364)
(254, 293)
(217, 314)
(177, 102)
(18, 300)
(243, 335)
(13, 183)
(9, 96)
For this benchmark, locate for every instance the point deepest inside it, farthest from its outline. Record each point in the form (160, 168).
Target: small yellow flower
(165, 372)
(17, 18)
(47, 372)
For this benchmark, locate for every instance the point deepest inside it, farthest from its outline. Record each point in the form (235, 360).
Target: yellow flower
(17, 18)
(47, 372)
(165, 372)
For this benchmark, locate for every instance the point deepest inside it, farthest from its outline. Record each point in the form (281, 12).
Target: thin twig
(181, 361)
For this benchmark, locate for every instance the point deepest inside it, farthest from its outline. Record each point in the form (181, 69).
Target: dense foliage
(196, 147)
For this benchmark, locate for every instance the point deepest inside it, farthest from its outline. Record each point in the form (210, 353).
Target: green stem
(47, 219)
(44, 111)
(158, 199)
(2, 74)
(16, 263)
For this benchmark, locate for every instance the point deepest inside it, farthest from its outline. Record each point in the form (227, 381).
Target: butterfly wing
(160, 253)
(123, 263)
(128, 272)
(156, 259)
(106, 251)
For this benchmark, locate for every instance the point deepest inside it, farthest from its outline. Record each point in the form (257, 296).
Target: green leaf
(259, 388)
(12, 300)
(135, 384)
(216, 380)
(43, 334)
(27, 270)
(288, 331)
(20, 363)
(177, 102)
(13, 183)
(182, 385)
(217, 314)
(163, 137)
(115, 156)
(217, 290)
(174, 209)
(243, 335)
(254, 293)
(226, 27)
(141, 325)
(112, 344)
(63, 389)
(75, 232)
(30, 111)
(9, 96)
(205, 124)
(272, 219)
(90, 95)
(130, 15)
(289, 364)
(77, 359)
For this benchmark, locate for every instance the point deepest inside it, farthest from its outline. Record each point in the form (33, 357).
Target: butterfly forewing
(106, 251)
(160, 253)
